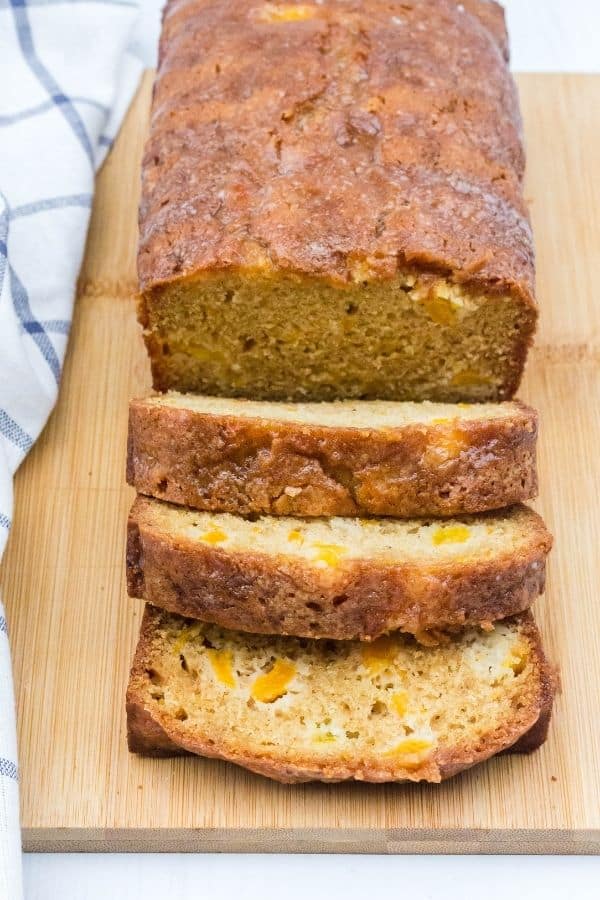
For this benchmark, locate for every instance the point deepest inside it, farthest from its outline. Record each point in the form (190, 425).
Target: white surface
(229, 877)
(546, 35)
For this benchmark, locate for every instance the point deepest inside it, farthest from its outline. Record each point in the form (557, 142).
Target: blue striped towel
(66, 79)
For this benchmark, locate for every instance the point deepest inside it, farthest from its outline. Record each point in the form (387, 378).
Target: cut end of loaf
(363, 415)
(282, 337)
(383, 541)
(300, 710)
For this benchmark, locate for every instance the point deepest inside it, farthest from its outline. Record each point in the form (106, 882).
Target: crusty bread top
(491, 14)
(329, 543)
(343, 140)
(359, 414)
(300, 710)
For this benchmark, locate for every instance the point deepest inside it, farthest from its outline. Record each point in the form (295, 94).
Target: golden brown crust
(354, 137)
(153, 733)
(144, 734)
(236, 464)
(491, 14)
(360, 599)
(417, 131)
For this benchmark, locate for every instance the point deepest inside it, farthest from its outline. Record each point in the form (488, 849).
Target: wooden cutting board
(73, 627)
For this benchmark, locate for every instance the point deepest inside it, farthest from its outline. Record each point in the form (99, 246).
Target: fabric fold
(67, 77)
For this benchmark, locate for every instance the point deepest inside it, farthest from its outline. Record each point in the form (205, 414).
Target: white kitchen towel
(66, 80)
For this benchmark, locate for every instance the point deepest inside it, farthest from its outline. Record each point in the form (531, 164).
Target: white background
(546, 35)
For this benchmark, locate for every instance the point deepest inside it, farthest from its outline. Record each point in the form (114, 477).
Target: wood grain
(73, 628)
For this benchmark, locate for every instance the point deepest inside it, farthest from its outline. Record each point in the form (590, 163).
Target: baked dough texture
(297, 710)
(332, 203)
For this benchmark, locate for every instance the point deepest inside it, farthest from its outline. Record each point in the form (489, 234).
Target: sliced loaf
(299, 710)
(332, 203)
(332, 459)
(340, 578)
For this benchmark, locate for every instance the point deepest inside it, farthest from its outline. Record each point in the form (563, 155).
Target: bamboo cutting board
(73, 628)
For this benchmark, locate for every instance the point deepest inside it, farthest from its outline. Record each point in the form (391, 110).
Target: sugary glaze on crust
(441, 460)
(379, 138)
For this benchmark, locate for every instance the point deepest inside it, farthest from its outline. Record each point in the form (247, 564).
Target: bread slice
(302, 710)
(337, 578)
(332, 459)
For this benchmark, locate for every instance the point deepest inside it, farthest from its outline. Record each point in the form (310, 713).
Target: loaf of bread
(332, 203)
(332, 459)
(340, 578)
(298, 710)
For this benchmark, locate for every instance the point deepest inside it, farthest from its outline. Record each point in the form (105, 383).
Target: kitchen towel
(67, 76)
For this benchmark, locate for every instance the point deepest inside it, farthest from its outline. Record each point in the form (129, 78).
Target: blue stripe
(13, 432)
(51, 203)
(22, 308)
(46, 79)
(9, 769)
(27, 318)
(3, 625)
(4, 521)
(50, 326)
(105, 141)
(54, 326)
(44, 107)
